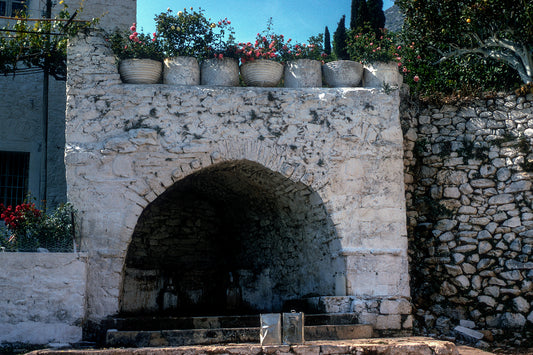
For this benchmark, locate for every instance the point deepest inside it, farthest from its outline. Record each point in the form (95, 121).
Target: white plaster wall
(126, 144)
(43, 297)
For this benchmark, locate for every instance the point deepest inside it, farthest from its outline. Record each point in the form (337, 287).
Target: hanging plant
(28, 44)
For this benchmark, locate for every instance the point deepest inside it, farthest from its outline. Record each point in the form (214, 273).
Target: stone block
(388, 322)
(501, 199)
(467, 324)
(519, 186)
(520, 305)
(487, 300)
(400, 306)
(467, 332)
(512, 320)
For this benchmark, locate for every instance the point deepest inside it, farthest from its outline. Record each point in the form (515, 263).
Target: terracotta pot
(378, 74)
(140, 71)
(181, 71)
(343, 73)
(303, 73)
(220, 72)
(262, 72)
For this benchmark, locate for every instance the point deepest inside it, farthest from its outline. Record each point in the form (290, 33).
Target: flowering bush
(186, 33)
(222, 45)
(409, 64)
(25, 44)
(302, 51)
(136, 45)
(28, 228)
(368, 47)
(385, 46)
(265, 47)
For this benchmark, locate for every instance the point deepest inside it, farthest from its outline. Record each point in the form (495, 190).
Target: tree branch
(516, 55)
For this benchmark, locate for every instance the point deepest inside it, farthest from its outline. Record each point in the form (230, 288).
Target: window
(14, 170)
(12, 7)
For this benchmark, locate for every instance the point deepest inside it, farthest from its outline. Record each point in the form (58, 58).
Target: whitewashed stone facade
(129, 146)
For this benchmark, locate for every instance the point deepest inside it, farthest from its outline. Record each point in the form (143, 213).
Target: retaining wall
(468, 173)
(43, 297)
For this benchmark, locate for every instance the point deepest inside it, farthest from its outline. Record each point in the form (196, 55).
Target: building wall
(21, 108)
(115, 14)
(43, 297)
(21, 117)
(469, 189)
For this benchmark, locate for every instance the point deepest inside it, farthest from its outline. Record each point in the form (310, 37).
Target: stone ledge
(388, 346)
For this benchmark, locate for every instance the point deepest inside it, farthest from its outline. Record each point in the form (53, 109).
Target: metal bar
(41, 19)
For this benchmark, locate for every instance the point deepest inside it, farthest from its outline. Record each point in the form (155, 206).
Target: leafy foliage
(367, 46)
(376, 15)
(136, 45)
(28, 228)
(29, 44)
(327, 41)
(223, 43)
(339, 40)
(304, 51)
(359, 14)
(483, 44)
(268, 46)
(186, 33)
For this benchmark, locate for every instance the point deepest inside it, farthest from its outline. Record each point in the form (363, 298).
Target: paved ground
(467, 350)
(375, 346)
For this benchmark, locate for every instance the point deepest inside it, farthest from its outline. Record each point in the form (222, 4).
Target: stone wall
(238, 225)
(43, 297)
(469, 170)
(127, 145)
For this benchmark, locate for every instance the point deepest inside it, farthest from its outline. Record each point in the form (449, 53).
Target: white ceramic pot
(343, 73)
(378, 74)
(140, 71)
(181, 71)
(303, 73)
(262, 72)
(220, 72)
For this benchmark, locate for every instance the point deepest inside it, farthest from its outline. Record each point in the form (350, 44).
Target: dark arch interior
(234, 238)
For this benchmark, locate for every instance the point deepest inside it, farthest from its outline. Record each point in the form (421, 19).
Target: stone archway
(232, 238)
(128, 145)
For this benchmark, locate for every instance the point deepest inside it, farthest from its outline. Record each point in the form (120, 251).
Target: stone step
(215, 322)
(182, 337)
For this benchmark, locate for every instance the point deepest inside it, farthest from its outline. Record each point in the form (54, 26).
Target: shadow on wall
(233, 238)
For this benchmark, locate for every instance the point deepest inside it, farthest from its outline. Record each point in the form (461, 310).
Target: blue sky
(298, 19)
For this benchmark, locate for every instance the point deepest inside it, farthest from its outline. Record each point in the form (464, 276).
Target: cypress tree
(354, 8)
(339, 40)
(327, 41)
(376, 15)
(362, 17)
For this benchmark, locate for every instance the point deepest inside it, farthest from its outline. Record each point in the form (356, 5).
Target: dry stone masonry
(469, 170)
(186, 193)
